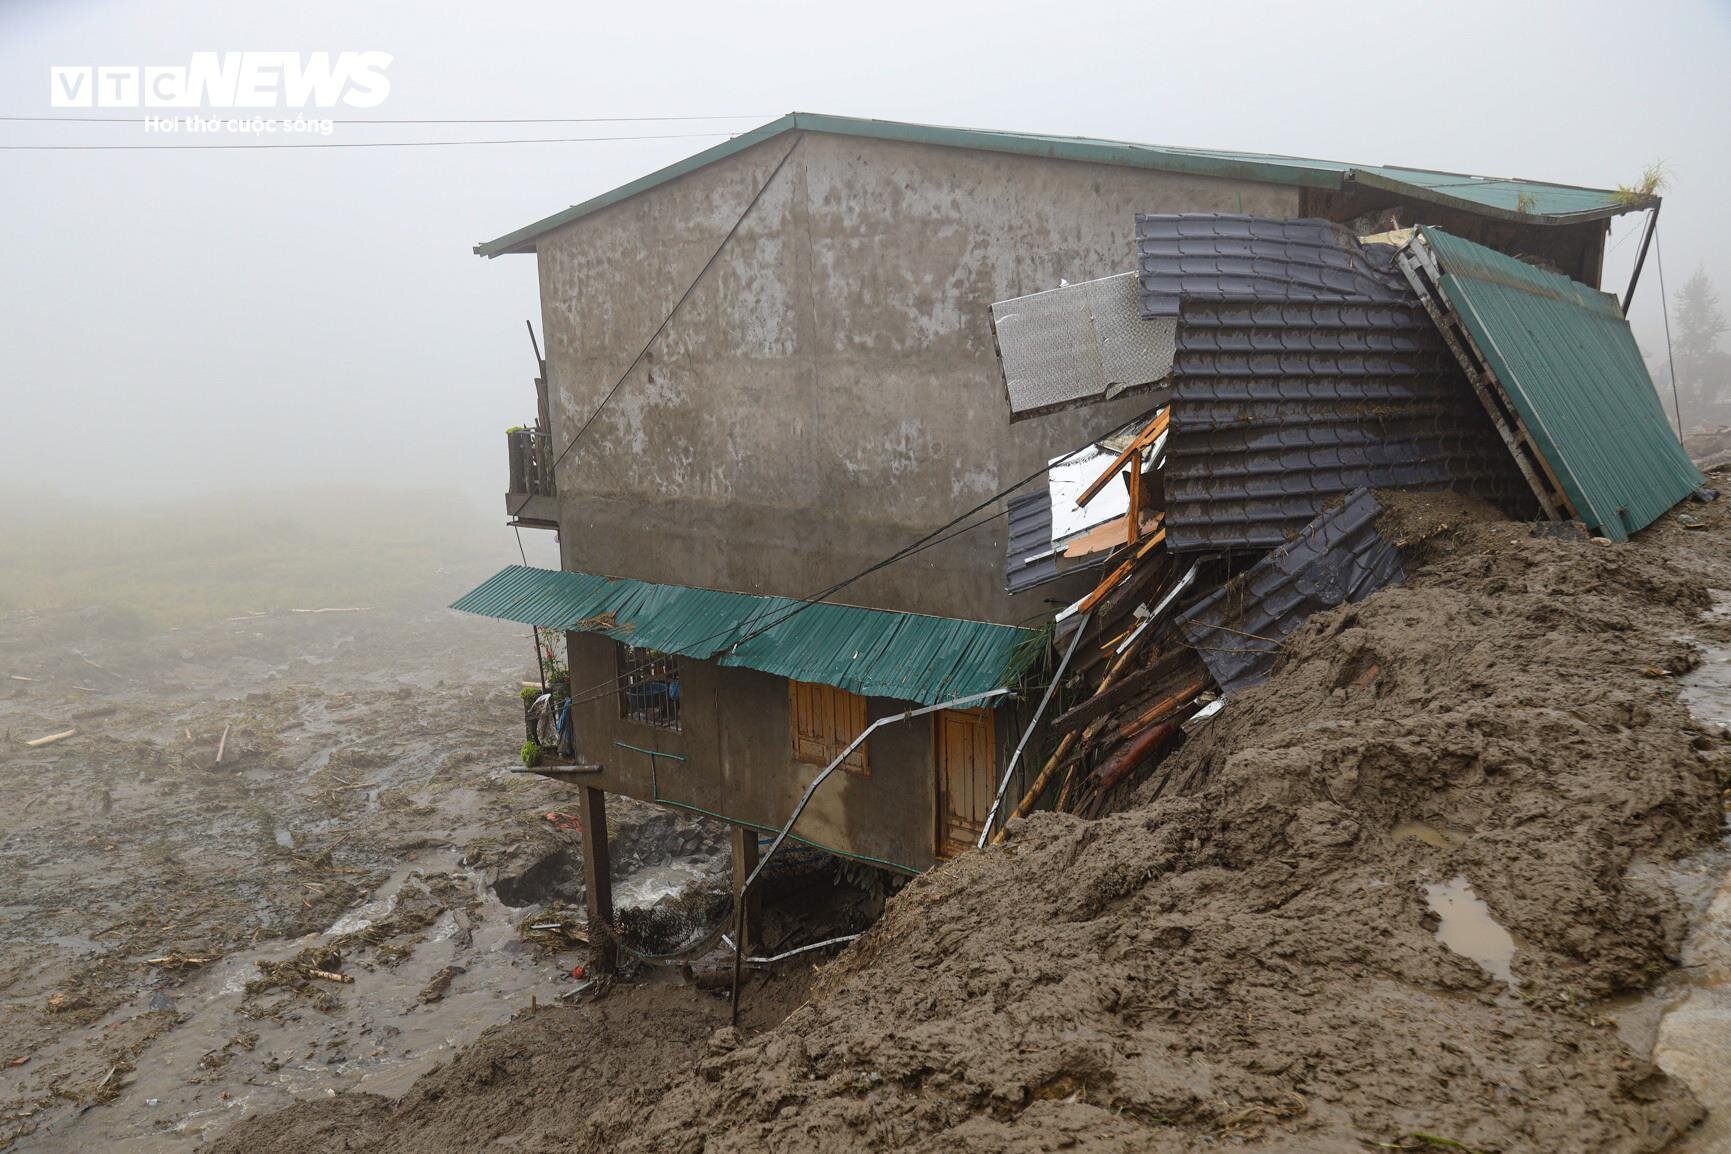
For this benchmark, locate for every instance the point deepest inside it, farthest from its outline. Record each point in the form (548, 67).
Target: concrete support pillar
(597, 878)
(744, 861)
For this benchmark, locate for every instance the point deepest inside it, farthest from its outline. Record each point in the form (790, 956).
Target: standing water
(1467, 927)
(1693, 1038)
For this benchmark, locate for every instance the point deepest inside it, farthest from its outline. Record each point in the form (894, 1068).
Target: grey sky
(186, 323)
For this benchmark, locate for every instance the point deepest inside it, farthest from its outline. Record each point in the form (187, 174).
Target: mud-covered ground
(1441, 883)
(162, 913)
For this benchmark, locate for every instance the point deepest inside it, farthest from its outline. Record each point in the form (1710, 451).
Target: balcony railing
(531, 499)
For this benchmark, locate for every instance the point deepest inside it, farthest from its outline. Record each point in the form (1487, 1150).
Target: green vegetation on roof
(875, 652)
(1532, 202)
(1569, 363)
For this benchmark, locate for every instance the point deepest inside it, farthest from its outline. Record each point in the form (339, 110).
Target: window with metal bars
(648, 687)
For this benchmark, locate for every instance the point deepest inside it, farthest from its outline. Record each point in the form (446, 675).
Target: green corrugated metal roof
(1569, 363)
(1502, 197)
(874, 652)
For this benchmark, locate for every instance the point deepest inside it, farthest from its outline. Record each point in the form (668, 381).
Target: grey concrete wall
(829, 391)
(734, 735)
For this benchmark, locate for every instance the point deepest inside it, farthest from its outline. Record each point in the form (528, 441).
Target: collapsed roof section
(1311, 366)
(1305, 368)
(1340, 557)
(1556, 363)
(1085, 513)
(1184, 257)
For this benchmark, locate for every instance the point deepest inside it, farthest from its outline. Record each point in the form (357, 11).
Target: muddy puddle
(1466, 926)
(1684, 1022)
(1433, 836)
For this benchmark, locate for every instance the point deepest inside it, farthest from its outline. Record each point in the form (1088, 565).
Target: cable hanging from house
(683, 297)
(1665, 310)
(936, 537)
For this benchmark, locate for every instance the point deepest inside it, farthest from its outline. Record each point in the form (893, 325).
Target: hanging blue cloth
(567, 748)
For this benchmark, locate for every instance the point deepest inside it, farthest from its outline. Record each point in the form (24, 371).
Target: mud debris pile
(1250, 956)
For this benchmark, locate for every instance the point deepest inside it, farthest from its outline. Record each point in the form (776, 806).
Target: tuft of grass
(1655, 178)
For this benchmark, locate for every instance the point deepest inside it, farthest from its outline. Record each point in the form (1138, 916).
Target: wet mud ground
(160, 911)
(1453, 878)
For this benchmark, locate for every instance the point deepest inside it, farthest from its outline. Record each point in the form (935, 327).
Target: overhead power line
(283, 144)
(944, 533)
(390, 120)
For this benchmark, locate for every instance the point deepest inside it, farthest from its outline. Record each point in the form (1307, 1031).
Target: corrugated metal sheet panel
(1338, 557)
(1566, 358)
(1082, 342)
(1305, 368)
(874, 652)
(882, 654)
(1511, 195)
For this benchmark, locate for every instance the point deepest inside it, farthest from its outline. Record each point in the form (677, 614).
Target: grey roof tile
(1305, 368)
(1197, 256)
(1338, 557)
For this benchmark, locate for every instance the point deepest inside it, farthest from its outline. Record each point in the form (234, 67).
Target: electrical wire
(604, 689)
(938, 536)
(351, 143)
(683, 297)
(1665, 308)
(402, 120)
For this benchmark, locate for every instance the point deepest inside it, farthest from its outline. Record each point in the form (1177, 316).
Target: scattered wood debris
(435, 990)
(52, 738)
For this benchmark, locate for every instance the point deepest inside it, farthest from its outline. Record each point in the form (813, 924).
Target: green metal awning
(874, 652)
(1569, 364)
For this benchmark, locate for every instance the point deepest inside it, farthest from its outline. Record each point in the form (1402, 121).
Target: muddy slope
(1250, 956)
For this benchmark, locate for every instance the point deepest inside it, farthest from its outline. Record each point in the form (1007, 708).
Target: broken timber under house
(776, 372)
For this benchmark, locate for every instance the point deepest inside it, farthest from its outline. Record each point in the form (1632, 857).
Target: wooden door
(967, 777)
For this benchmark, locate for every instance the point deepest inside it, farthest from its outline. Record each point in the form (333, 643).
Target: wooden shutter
(822, 720)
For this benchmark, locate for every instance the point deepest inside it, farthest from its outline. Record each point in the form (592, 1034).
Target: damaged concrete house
(807, 392)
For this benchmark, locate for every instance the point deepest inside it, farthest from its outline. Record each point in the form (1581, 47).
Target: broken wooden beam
(1149, 434)
(1109, 697)
(1115, 768)
(1122, 571)
(1161, 710)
